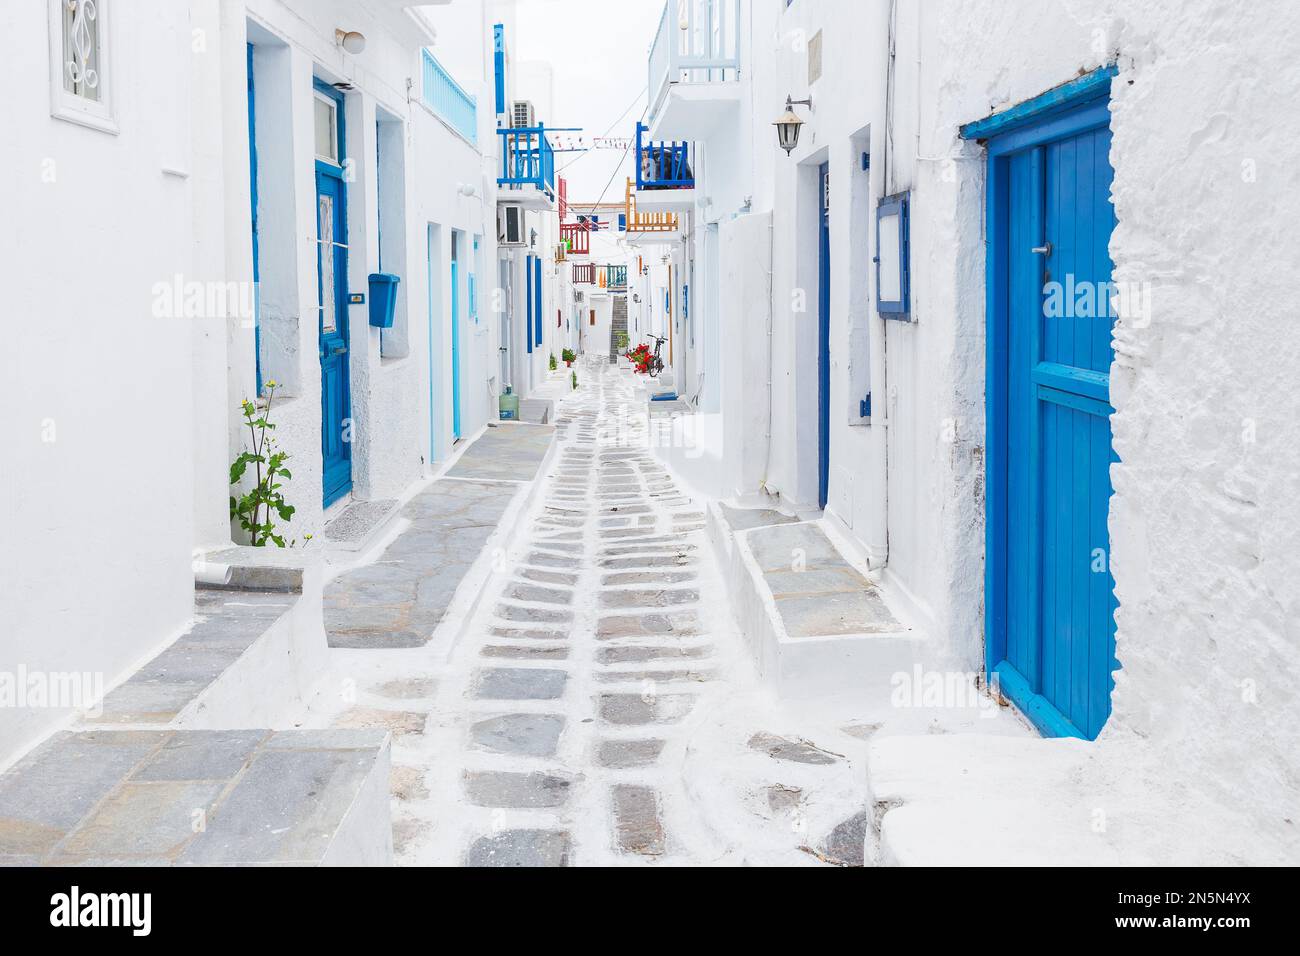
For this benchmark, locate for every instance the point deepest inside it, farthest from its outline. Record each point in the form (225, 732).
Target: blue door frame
(252, 193)
(823, 337)
(1049, 626)
(331, 284)
(455, 336)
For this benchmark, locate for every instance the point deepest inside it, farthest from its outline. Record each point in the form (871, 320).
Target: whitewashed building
(962, 168)
(241, 181)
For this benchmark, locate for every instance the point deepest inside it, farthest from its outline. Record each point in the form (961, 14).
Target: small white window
(80, 47)
(327, 136)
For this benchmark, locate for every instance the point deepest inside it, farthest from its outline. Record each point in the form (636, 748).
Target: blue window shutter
(537, 297)
(897, 208)
(622, 222)
(499, 58)
(528, 268)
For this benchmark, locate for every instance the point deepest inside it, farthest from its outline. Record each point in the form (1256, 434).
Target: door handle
(1044, 250)
(339, 350)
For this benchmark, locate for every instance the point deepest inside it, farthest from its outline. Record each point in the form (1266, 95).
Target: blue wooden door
(1051, 251)
(332, 271)
(455, 344)
(824, 340)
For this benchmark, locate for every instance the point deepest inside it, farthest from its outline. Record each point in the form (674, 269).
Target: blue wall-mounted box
(383, 299)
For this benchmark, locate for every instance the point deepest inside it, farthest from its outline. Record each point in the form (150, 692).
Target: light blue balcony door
(455, 336)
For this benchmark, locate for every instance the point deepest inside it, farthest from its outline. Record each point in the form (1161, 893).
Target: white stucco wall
(1203, 522)
(96, 472)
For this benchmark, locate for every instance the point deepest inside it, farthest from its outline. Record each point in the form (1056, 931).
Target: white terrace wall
(96, 471)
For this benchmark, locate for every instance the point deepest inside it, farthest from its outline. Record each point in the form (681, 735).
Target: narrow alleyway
(601, 707)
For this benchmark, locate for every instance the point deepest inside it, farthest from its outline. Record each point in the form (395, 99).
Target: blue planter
(383, 299)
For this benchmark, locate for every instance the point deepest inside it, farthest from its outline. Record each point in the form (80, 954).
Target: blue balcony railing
(527, 159)
(698, 42)
(444, 96)
(662, 165)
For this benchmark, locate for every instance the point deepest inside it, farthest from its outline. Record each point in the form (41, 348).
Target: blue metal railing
(616, 277)
(527, 159)
(698, 41)
(662, 165)
(444, 96)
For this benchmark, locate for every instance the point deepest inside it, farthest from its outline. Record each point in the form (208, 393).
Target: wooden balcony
(584, 273)
(615, 278)
(575, 237)
(648, 226)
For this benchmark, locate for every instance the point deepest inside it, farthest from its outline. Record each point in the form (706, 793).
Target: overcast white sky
(598, 49)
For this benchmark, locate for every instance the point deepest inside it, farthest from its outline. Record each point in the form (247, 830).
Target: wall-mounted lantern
(350, 40)
(789, 125)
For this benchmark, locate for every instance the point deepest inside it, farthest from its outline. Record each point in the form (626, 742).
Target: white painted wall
(97, 469)
(1203, 522)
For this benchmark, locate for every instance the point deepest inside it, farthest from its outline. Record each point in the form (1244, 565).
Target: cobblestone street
(599, 708)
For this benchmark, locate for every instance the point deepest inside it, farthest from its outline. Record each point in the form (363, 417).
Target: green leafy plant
(554, 364)
(569, 357)
(620, 341)
(258, 508)
(574, 379)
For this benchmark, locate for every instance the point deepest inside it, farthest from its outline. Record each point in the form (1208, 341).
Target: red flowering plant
(640, 358)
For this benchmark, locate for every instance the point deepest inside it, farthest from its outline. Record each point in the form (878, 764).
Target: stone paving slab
(183, 796)
(399, 601)
(509, 452)
(227, 623)
(358, 522)
(743, 519)
(816, 591)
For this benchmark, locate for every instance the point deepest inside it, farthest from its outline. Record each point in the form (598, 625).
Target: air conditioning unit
(511, 229)
(524, 116)
(577, 296)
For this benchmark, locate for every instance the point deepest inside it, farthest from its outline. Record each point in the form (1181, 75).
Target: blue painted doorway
(1051, 600)
(332, 276)
(824, 336)
(455, 336)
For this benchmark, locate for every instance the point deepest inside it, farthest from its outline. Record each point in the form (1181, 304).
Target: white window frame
(333, 104)
(66, 105)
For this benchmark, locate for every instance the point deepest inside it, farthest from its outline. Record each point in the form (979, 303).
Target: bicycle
(656, 360)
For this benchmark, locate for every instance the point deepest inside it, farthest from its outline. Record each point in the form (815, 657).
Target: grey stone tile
(528, 735)
(529, 634)
(628, 754)
(846, 844)
(399, 723)
(286, 808)
(516, 791)
(648, 598)
(784, 547)
(144, 819)
(791, 749)
(519, 683)
(815, 581)
(639, 655)
(625, 578)
(635, 710)
(680, 624)
(47, 792)
(535, 594)
(201, 755)
(507, 652)
(147, 702)
(743, 519)
(783, 799)
(855, 612)
(637, 827)
(532, 615)
(409, 688)
(548, 577)
(334, 738)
